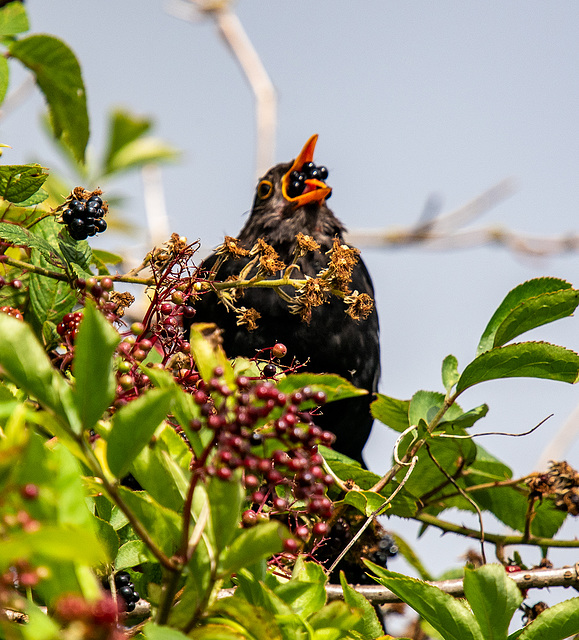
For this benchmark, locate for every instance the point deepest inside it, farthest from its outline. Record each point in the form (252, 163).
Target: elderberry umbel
(310, 171)
(84, 214)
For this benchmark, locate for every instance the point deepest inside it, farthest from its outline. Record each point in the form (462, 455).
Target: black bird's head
(291, 197)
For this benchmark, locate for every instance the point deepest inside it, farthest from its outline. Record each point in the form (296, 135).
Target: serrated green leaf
(391, 412)
(514, 298)
(25, 362)
(4, 78)
(59, 77)
(50, 299)
(40, 196)
(108, 537)
(366, 502)
(523, 359)
(13, 19)
(239, 617)
(556, 623)
(133, 426)
(252, 544)
(75, 252)
(305, 593)
(465, 420)
(450, 373)
(535, 312)
(95, 384)
(21, 181)
(369, 625)
(448, 616)
(21, 237)
(493, 598)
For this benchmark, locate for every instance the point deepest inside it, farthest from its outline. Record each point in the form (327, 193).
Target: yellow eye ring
(264, 189)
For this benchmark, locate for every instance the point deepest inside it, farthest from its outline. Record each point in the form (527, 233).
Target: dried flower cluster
(561, 482)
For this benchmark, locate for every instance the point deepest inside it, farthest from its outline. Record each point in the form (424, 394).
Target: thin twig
(466, 497)
(373, 515)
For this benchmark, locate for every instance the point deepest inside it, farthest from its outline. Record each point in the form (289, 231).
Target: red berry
(107, 284)
(303, 532)
(29, 491)
(290, 545)
(166, 308)
(224, 473)
(249, 518)
(279, 350)
(320, 529)
(105, 612)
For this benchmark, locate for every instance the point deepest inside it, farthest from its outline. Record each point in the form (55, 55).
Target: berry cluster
(84, 217)
(96, 620)
(68, 326)
(375, 545)
(125, 590)
(273, 439)
(298, 179)
(11, 311)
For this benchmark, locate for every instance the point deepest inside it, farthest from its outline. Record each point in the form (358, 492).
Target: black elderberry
(77, 206)
(323, 173)
(314, 174)
(307, 168)
(100, 225)
(126, 593)
(295, 189)
(77, 225)
(96, 199)
(122, 578)
(67, 216)
(269, 370)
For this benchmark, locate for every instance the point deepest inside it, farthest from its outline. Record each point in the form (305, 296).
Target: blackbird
(291, 198)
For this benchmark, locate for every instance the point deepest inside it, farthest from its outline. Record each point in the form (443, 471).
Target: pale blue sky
(410, 99)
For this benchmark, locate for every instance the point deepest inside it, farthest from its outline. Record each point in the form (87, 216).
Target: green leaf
(140, 152)
(524, 359)
(335, 387)
(50, 299)
(450, 373)
(124, 128)
(75, 252)
(448, 616)
(535, 312)
(21, 181)
(251, 545)
(13, 19)
(391, 412)
(4, 78)
(21, 237)
(95, 384)
(106, 257)
(367, 502)
(556, 623)
(26, 364)
(493, 598)
(305, 592)
(239, 620)
(59, 77)
(208, 353)
(369, 625)
(133, 426)
(465, 420)
(40, 196)
(131, 554)
(226, 499)
(514, 298)
(162, 524)
(152, 631)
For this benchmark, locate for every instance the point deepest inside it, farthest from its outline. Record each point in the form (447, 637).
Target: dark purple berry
(323, 173)
(100, 225)
(96, 199)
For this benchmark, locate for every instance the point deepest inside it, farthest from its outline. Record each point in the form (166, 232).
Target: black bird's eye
(264, 189)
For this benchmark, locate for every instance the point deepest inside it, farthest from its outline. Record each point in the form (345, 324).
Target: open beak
(315, 190)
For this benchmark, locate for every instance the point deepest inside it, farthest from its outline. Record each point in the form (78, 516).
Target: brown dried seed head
(247, 317)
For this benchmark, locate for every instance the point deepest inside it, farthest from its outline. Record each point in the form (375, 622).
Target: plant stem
(493, 537)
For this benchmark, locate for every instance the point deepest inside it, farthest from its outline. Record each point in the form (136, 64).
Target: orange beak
(316, 190)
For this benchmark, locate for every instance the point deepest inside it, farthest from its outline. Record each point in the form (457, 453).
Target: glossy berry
(269, 370)
(84, 218)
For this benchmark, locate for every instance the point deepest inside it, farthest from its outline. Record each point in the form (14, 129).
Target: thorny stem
(499, 540)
